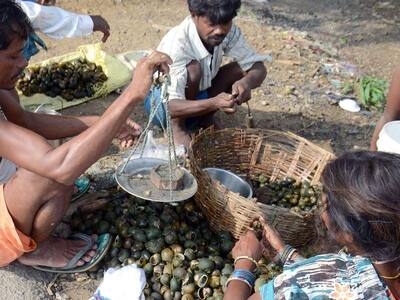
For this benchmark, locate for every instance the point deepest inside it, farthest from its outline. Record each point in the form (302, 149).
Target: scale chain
(163, 85)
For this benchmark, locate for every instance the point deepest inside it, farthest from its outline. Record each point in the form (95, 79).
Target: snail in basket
(174, 245)
(297, 196)
(74, 79)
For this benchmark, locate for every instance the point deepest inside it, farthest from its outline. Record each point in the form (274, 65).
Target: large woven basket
(249, 153)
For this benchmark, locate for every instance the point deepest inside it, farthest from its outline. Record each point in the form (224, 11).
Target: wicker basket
(249, 153)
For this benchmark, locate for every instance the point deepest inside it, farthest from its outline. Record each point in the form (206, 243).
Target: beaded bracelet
(248, 258)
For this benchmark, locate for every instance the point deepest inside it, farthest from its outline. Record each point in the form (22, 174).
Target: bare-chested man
(36, 195)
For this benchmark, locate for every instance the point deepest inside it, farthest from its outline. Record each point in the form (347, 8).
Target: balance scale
(133, 175)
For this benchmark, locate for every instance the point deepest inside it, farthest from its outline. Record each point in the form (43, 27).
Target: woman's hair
(363, 192)
(217, 11)
(13, 23)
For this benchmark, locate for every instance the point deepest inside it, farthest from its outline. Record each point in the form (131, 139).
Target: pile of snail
(182, 258)
(71, 80)
(297, 196)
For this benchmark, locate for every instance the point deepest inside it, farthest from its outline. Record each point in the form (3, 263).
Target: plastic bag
(160, 151)
(118, 76)
(126, 283)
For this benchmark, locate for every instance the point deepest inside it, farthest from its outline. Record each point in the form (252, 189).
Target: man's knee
(44, 184)
(27, 193)
(181, 133)
(234, 69)
(178, 124)
(194, 75)
(194, 71)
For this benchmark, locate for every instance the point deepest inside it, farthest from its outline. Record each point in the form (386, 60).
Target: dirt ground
(300, 93)
(345, 29)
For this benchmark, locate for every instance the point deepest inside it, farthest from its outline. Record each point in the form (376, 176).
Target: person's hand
(241, 92)
(248, 245)
(271, 241)
(145, 68)
(46, 2)
(100, 24)
(225, 103)
(128, 133)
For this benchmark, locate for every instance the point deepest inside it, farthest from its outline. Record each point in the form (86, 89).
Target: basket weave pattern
(249, 153)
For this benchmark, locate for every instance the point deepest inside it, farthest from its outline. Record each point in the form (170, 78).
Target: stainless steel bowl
(231, 181)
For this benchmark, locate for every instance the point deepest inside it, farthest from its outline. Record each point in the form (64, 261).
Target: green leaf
(368, 93)
(348, 88)
(373, 91)
(362, 94)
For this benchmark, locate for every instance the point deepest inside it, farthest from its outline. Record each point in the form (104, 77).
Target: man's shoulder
(9, 100)
(233, 36)
(177, 40)
(177, 35)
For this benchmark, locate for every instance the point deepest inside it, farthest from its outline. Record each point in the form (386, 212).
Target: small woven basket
(249, 153)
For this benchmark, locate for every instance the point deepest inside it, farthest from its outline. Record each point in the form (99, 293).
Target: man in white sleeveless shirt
(35, 198)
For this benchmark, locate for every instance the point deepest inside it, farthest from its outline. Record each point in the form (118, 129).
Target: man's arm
(239, 49)
(194, 108)
(256, 75)
(48, 126)
(184, 103)
(190, 108)
(66, 162)
(241, 89)
(241, 92)
(58, 23)
(58, 127)
(392, 110)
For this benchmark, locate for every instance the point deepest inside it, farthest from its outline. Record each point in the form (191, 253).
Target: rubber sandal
(83, 184)
(103, 245)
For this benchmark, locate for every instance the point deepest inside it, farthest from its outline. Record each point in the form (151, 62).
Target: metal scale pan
(135, 180)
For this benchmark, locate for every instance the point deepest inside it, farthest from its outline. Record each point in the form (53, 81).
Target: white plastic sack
(126, 283)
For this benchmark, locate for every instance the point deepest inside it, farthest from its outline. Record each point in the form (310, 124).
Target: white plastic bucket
(389, 138)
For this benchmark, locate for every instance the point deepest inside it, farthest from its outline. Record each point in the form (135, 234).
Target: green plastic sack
(118, 76)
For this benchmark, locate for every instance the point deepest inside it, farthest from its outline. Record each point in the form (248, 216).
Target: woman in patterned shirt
(361, 211)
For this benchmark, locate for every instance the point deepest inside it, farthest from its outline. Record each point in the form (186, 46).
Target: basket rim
(220, 188)
(212, 130)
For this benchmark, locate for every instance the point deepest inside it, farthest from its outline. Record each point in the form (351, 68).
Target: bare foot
(56, 253)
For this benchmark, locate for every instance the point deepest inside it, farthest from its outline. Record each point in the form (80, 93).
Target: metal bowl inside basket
(231, 181)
